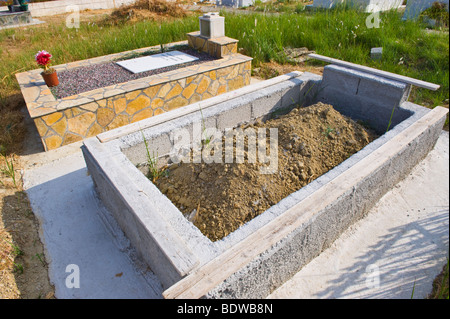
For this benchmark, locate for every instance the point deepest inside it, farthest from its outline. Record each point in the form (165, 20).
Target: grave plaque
(156, 61)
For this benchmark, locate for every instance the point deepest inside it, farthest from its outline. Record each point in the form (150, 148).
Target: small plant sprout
(9, 170)
(205, 138)
(154, 171)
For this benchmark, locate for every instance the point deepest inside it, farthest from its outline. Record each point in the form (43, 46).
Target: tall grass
(339, 33)
(342, 33)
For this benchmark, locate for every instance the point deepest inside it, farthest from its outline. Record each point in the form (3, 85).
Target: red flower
(43, 58)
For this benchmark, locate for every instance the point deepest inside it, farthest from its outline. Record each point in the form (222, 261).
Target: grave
(415, 7)
(290, 233)
(366, 5)
(61, 121)
(16, 15)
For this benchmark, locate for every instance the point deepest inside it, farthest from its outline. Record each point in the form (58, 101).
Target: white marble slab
(156, 61)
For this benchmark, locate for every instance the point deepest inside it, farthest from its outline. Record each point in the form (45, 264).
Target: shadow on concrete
(417, 239)
(74, 234)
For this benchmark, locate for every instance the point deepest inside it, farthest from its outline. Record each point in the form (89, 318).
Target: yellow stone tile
(157, 103)
(80, 124)
(212, 75)
(41, 127)
(190, 79)
(164, 90)
(222, 89)
(101, 103)
(213, 87)
(68, 113)
(189, 90)
(132, 95)
(60, 126)
(71, 138)
(104, 116)
(224, 71)
(195, 98)
(53, 142)
(94, 130)
(52, 118)
(119, 120)
(120, 105)
(138, 104)
(92, 107)
(144, 114)
(203, 85)
(77, 111)
(176, 103)
(176, 90)
(152, 91)
(236, 83)
(158, 111)
(206, 95)
(234, 72)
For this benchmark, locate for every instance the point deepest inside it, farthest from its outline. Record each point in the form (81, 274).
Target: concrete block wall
(368, 97)
(349, 202)
(228, 114)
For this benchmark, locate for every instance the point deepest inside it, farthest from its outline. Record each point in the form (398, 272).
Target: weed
(154, 171)
(206, 140)
(40, 256)
(16, 250)
(18, 268)
(9, 169)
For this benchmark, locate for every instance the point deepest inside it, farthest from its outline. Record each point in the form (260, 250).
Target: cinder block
(342, 79)
(240, 113)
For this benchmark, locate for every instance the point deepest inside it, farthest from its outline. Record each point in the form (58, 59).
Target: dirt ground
(23, 268)
(219, 198)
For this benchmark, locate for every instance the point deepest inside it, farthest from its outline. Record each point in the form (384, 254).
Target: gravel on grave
(84, 79)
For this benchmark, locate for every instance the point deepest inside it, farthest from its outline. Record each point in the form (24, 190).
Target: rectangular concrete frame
(289, 234)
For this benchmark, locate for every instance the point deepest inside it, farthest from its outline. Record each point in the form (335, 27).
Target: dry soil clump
(222, 197)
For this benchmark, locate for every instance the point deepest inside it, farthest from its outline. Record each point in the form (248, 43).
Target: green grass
(341, 33)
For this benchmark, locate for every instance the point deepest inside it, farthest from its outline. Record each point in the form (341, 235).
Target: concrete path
(402, 242)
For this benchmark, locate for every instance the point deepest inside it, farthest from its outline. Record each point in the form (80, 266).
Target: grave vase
(51, 79)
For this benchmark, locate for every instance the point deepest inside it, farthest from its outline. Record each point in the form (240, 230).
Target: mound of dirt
(219, 198)
(148, 10)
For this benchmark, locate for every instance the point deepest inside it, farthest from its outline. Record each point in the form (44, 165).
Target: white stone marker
(212, 25)
(156, 61)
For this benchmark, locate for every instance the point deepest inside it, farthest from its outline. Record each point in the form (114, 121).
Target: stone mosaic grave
(73, 118)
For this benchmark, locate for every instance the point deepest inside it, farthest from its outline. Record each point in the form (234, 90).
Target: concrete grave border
(289, 234)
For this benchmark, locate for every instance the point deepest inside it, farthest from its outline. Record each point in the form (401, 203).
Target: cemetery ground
(408, 49)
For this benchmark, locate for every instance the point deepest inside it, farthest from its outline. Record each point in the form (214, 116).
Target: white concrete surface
(405, 237)
(63, 198)
(401, 245)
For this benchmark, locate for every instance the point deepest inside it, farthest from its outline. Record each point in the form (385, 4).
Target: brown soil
(23, 267)
(311, 141)
(158, 10)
